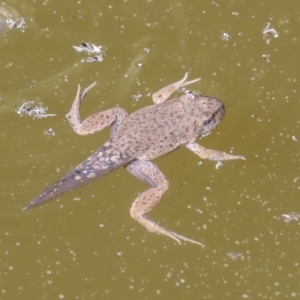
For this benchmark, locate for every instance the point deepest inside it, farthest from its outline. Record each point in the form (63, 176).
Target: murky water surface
(85, 245)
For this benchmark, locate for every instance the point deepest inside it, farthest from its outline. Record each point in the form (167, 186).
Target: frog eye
(191, 93)
(210, 121)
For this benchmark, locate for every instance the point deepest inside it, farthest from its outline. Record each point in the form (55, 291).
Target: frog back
(158, 129)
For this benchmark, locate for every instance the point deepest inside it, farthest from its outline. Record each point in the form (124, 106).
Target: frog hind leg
(97, 122)
(147, 200)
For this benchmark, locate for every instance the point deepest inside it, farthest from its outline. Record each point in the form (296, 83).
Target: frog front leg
(211, 154)
(96, 122)
(147, 200)
(163, 94)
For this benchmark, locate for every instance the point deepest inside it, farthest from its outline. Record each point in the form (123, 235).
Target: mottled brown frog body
(140, 137)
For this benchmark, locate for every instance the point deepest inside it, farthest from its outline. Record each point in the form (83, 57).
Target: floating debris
(50, 132)
(266, 57)
(91, 49)
(225, 37)
(271, 31)
(136, 98)
(32, 110)
(138, 64)
(95, 58)
(235, 255)
(19, 23)
(291, 217)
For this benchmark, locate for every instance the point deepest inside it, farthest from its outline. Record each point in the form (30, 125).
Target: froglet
(138, 138)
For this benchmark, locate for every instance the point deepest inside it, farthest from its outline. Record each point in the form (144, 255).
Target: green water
(85, 245)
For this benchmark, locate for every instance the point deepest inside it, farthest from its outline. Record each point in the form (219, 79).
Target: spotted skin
(140, 137)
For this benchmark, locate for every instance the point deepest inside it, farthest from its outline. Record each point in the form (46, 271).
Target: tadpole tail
(96, 166)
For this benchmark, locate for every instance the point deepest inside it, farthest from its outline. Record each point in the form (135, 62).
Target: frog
(137, 139)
